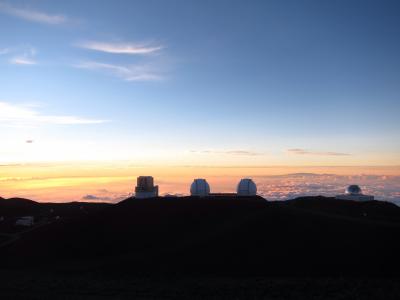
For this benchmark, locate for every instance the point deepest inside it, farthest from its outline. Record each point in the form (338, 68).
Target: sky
(92, 87)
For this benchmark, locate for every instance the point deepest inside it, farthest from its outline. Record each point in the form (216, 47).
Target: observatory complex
(145, 188)
(353, 192)
(246, 188)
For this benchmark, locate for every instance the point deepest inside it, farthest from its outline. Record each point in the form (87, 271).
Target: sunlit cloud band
(119, 48)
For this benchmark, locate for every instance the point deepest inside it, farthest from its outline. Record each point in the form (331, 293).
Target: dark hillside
(220, 236)
(17, 207)
(369, 210)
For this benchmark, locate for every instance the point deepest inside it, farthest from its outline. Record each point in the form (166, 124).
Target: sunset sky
(94, 93)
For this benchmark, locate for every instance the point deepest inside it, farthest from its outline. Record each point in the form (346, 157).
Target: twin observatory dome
(246, 187)
(146, 189)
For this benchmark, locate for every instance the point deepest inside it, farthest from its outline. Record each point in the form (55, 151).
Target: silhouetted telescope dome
(353, 190)
(200, 187)
(354, 193)
(246, 187)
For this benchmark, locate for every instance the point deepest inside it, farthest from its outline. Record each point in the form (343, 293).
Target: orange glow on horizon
(70, 182)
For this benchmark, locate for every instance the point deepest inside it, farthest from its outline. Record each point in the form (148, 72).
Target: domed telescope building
(246, 187)
(200, 188)
(353, 192)
(145, 188)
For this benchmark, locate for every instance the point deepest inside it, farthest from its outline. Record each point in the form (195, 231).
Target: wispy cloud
(119, 48)
(32, 15)
(128, 73)
(22, 61)
(21, 115)
(27, 57)
(228, 152)
(298, 151)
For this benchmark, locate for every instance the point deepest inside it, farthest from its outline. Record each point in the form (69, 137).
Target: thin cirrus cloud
(119, 48)
(298, 151)
(25, 61)
(23, 55)
(32, 15)
(128, 73)
(228, 152)
(14, 115)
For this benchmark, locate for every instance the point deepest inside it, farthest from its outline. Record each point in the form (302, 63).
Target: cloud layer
(283, 187)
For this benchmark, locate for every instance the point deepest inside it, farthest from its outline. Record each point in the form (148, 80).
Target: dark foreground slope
(17, 207)
(43, 213)
(219, 236)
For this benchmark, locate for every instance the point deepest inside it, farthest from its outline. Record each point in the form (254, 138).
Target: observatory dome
(246, 187)
(353, 190)
(200, 187)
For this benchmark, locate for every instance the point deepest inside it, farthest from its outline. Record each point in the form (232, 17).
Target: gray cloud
(229, 152)
(299, 151)
(94, 197)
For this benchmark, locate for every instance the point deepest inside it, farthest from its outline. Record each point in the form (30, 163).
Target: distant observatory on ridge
(353, 192)
(145, 187)
(246, 187)
(200, 187)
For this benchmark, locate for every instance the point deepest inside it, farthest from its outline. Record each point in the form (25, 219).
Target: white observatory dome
(353, 190)
(246, 187)
(200, 187)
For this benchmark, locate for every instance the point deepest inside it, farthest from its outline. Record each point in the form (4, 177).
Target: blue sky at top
(257, 76)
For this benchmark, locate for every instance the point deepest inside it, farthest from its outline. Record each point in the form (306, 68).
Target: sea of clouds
(283, 187)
